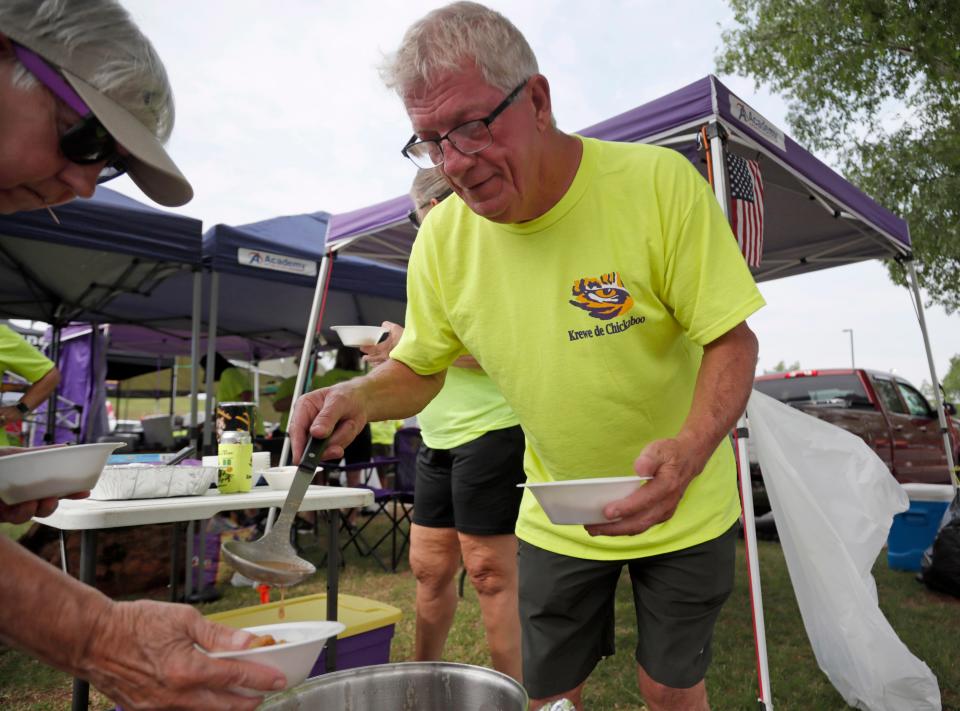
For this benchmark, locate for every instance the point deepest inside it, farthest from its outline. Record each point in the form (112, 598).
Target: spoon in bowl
(271, 559)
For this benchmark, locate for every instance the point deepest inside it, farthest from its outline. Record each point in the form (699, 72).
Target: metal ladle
(271, 559)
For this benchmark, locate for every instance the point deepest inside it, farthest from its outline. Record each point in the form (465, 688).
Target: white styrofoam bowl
(581, 501)
(295, 657)
(279, 477)
(53, 471)
(359, 335)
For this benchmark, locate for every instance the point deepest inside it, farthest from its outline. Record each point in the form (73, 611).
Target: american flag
(746, 206)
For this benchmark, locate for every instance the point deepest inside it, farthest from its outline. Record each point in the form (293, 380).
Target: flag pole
(711, 138)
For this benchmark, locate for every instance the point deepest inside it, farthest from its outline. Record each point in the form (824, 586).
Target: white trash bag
(833, 500)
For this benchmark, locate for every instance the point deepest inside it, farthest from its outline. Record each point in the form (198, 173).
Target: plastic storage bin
(913, 530)
(365, 641)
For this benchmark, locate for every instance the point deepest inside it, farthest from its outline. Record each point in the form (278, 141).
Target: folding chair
(395, 503)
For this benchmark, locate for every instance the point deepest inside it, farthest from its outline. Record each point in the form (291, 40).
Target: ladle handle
(301, 480)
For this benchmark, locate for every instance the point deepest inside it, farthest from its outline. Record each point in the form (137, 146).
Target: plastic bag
(834, 502)
(940, 565)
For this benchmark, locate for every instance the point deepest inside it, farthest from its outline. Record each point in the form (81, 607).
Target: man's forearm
(41, 390)
(722, 390)
(44, 611)
(392, 391)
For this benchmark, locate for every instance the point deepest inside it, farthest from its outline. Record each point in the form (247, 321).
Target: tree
(951, 381)
(876, 84)
(782, 367)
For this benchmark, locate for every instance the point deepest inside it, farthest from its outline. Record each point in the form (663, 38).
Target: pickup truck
(887, 412)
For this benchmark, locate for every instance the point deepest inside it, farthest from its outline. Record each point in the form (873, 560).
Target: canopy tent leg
(713, 133)
(313, 324)
(50, 433)
(941, 414)
(195, 318)
(753, 564)
(173, 388)
(211, 360)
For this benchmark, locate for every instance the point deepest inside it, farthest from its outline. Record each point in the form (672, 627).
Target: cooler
(365, 641)
(913, 530)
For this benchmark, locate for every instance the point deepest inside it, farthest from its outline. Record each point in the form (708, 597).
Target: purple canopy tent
(813, 219)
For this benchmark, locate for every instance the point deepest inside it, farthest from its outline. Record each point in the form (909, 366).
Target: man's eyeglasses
(414, 214)
(87, 141)
(470, 137)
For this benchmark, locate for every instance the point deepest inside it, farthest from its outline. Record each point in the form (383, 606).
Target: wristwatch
(23, 408)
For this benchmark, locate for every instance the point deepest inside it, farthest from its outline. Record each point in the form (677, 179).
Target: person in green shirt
(233, 385)
(600, 287)
(347, 366)
(283, 397)
(19, 357)
(466, 497)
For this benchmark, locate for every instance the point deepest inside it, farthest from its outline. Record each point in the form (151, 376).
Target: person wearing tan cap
(84, 97)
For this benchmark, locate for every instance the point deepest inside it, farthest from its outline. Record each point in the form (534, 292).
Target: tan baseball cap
(148, 164)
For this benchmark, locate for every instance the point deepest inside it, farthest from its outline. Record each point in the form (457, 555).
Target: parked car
(884, 410)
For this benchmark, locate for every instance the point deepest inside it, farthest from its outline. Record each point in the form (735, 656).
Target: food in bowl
(264, 640)
(355, 336)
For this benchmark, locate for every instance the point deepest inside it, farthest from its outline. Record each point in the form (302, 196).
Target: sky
(280, 110)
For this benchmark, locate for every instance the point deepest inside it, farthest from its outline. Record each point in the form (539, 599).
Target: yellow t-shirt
(18, 356)
(285, 389)
(468, 406)
(591, 319)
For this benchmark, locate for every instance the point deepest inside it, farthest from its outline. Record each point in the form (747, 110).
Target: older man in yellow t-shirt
(600, 287)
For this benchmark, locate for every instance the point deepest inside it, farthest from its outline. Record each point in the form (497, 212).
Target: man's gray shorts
(567, 617)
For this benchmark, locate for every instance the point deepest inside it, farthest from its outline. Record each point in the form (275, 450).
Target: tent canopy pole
(305, 355)
(714, 135)
(211, 361)
(941, 414)
(195, 318)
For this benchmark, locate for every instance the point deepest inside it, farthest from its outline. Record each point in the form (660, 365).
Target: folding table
(88, 516)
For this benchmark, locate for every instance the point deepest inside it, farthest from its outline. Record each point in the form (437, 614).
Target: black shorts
(567, 615)
(358, 451)
(473, 487)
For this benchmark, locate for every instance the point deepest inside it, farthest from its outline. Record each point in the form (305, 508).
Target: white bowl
(279, 477)
(359, 335)
(52, 472)
(581, 501)
(295, 657)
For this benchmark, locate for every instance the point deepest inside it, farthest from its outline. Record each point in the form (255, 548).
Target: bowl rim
(357, 325)
(577, 482)
(46, 451)
(315, 625)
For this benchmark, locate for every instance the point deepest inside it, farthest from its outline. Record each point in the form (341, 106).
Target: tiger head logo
(604, 298)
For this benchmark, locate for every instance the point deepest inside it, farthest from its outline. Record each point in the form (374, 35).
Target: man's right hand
(143, 655)
(337, 412)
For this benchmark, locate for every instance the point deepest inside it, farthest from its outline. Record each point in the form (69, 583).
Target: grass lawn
(928, 623)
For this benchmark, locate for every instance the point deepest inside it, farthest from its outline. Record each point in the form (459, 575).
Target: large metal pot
(408, 686)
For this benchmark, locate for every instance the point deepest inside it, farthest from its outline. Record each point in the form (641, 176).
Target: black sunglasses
(87, 141)
(413, 215)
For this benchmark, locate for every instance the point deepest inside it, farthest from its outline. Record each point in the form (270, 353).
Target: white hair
(460, 32)
(131, 72)
(428, 184)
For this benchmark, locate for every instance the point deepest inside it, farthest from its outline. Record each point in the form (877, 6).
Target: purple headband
(51, 78)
